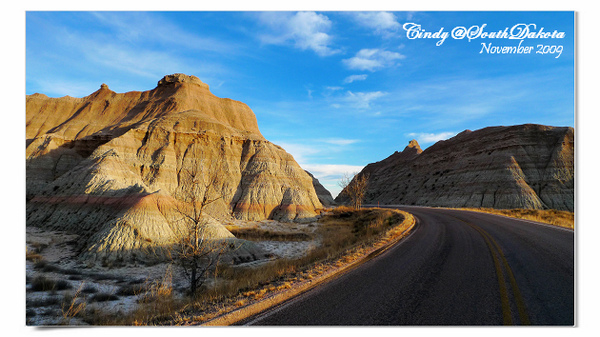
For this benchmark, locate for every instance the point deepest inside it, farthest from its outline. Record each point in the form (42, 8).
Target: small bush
(41, 283)
(131, 290)
(89, 289)
(258, 234)
(29, 313)
(45, 266)
(32, 256)
(62, 285)
(72, 272)
(104, 297)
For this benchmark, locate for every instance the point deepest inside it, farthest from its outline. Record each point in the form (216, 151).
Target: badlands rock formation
(113, 167)
(324, 195)
(523, 166)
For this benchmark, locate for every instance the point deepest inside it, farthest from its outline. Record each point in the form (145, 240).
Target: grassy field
(552, 217)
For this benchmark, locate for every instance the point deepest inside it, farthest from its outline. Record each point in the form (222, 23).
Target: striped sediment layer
(99, 162)
(523, 166)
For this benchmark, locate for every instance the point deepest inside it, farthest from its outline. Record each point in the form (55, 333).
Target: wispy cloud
(382, 23)
(353, 78)
(147, 63)
(305, 30)
(306, 151)
(142, 27)
(57, 87)
(428, 138)
(372, 59)
(340, 141)
(362, 100)
(329, 175)
(300, 152)
(446, 102)
(125, 47)
(314, 154)
(331, 171)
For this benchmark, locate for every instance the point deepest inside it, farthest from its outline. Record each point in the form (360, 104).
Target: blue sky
(337, 90)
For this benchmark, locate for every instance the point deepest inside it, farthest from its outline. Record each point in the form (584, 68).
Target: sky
(338, 90)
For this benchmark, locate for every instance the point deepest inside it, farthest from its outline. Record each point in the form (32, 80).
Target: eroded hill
(113, 167)
(523, 166)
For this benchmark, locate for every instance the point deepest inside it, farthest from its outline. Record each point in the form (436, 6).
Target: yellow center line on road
(513, 283)
(498, 256)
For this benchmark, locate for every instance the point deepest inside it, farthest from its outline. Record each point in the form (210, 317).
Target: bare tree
(195, 251)
(354, 186)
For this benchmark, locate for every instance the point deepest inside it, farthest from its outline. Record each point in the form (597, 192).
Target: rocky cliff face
(324, 195)
(523, 166)
(112, 166)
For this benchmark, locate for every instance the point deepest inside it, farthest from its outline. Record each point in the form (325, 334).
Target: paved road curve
(456, 268)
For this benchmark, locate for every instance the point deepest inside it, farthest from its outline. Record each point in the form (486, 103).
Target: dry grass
(42, 283)
(32, 255)
(72, 306)
(345, 234)
(340, 231)
(258, 234)
(156, 302)
(552, 217)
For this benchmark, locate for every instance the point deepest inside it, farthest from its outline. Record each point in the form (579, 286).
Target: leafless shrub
(195, 252)
(354, 186)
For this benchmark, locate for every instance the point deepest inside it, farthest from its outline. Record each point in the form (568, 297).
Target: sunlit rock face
(114, 166)
(522, 166)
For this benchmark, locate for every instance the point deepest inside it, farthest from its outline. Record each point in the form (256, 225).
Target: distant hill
(522, 166)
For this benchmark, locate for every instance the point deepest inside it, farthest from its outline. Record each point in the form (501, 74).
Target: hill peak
(181, 78)
(413, 146)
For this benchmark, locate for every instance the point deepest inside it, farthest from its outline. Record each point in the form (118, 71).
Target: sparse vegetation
(550, 216)
(42, 283)
(72, 306)
(32, 255)
(354, 186)
(45, 266)
(258, 234)
(343, 232)
(89, 289)
(157, 302)
(131, 290)
(103, 297)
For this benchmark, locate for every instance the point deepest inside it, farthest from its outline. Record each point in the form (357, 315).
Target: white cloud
(57, 87)
(353, 78)
(300, 152)
(310, 153)
(334, 88)
(372, 59)
(383, 23)
(306, 30)
(426, 138)
(340, 141)
(331, 171)
(362, 100)
(330, 174)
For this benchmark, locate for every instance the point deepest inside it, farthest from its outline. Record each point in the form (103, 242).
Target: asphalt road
(456, 268)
